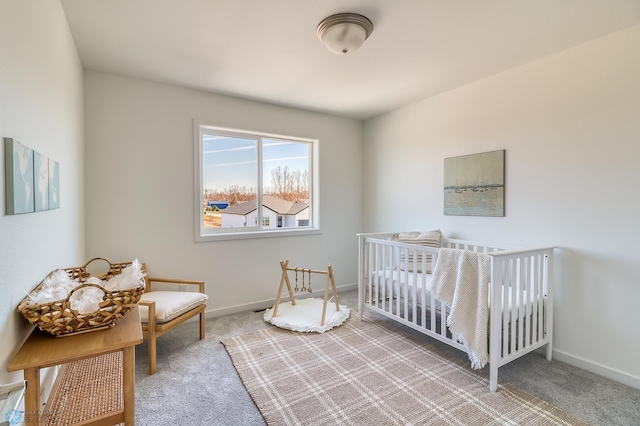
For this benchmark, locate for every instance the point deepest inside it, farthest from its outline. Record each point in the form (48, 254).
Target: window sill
(256, 234)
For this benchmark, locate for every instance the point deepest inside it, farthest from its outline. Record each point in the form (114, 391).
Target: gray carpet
(196, 383)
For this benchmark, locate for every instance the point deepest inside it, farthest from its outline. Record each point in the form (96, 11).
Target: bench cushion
(170, 304)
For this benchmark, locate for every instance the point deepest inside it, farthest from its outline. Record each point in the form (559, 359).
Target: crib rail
(394, 280)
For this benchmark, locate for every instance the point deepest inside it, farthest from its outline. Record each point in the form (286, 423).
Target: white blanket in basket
(461, 279)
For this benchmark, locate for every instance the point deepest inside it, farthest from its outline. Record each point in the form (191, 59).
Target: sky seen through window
(229, 161)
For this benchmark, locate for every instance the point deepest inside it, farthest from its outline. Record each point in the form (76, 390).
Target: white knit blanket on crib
(461, 279)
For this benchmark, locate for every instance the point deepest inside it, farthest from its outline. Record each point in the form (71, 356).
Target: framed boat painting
(474, 184)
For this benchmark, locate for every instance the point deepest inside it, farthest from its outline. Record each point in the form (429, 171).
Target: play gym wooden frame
(306, 286)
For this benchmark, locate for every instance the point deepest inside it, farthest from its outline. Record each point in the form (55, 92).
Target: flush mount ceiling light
(344, 33)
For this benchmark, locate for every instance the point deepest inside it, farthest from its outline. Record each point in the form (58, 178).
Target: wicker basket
(59, 319)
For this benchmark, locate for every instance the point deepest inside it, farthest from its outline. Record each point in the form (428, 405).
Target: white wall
(41, 106)
(140, 202)
(571, 130)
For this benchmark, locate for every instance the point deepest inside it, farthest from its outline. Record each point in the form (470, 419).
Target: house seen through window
(254, 183)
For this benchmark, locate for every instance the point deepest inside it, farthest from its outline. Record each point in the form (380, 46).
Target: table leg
(32, 396)
(129, 384)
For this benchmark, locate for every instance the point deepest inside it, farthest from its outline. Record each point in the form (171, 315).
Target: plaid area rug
(370, 373)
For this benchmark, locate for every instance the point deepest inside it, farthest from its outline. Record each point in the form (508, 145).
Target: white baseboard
(265, 304)
(601, 370)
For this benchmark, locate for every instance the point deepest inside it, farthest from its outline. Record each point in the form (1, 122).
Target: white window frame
(202, 235)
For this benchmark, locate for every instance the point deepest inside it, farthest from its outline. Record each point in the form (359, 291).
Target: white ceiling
(268, 50)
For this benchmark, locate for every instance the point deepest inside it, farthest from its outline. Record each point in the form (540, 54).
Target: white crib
(520, 291)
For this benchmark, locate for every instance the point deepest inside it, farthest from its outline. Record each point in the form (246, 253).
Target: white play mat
(306, 315)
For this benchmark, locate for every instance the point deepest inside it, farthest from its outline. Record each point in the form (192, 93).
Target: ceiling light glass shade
(344, 32)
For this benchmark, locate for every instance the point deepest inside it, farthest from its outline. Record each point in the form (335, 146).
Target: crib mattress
(404, 283)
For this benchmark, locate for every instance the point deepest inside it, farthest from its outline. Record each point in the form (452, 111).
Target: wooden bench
(161, 318)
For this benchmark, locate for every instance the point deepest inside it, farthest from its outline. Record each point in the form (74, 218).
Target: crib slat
(396, 294)
(381, 277)
(513, 316)
(506, 279)
(369, 273)
(384, 266)
(401, 290)
(433, 301)
(422, 309)
(443, 319)
(548, 313)
(423, 292)
(418, 279)
(376, 280)
(515, 319)
(522, 277)
(535, 290)
(413, 288)
(541, 273)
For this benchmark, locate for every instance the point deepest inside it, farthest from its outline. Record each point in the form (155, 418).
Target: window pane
(286, 182)
(252, 183)
(229, 181)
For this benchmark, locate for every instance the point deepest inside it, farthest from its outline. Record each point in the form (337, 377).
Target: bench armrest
(151, 315)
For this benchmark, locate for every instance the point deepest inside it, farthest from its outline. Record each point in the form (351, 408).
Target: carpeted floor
(196, 383)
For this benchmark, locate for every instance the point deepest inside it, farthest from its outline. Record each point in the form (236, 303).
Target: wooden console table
(43, 350)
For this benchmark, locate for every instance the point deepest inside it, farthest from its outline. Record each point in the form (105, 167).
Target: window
(250, 184)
